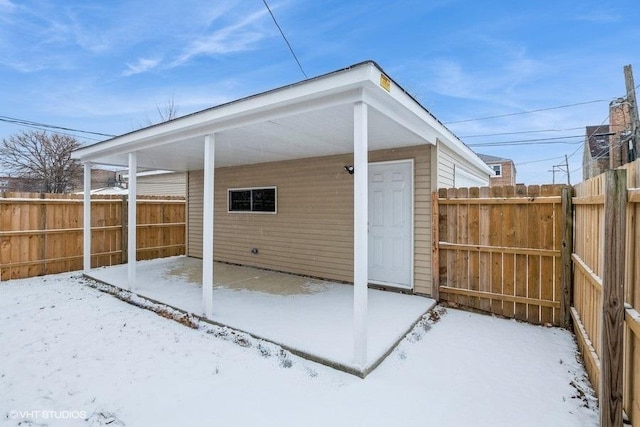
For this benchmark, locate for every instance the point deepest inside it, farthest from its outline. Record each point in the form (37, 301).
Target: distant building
(504, 170)
(158, 183)
(99, 178)
(620, 128)
(607, 146)
(15, 184)
(595, 159)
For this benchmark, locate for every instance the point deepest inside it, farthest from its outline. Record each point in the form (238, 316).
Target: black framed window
(253, 199)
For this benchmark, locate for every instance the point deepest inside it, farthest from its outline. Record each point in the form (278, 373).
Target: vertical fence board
(474, 257)
(547, 239)
(435, 256)
(42, 234)
(520, 241)
(533, 261)
(566, 220)
(495, 239)
(498, 250)
(484, 257)
(462, 235)
(509, 225)
(452, 272)
(611, 394)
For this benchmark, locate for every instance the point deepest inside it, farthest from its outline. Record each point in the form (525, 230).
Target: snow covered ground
(312, 316)
(72, 355)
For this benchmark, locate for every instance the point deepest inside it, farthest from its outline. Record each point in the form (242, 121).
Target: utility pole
(553, 170)
(634, 141)
(561, 168)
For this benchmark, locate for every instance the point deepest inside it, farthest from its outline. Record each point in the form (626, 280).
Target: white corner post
(132, 230)
(207, 225)
(360, 233)
(86, 231)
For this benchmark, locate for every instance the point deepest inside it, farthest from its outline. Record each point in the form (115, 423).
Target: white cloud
(236, 37)
(598, 17)
(143, 65)
(6, 5)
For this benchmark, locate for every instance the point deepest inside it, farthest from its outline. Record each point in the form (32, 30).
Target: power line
(595, 159)
(528, 112)
(538, 161)
(519, 132)
(550, 158)
(285, 38)
(554, 140)
(576, 150)
(44, 125)
(63, 133)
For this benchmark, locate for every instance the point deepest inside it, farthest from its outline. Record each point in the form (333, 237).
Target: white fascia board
(466, 153)
(150, 173)
(396, 112)
(322, 92)
(423, 123)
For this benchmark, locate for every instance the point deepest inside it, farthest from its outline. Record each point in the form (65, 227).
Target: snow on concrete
(318, 321)
(71, 355)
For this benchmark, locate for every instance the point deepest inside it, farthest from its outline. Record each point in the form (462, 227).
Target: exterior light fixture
(349, 169)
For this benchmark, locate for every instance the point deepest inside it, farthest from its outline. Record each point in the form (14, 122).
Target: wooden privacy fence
(42, 233)
(607, 289)
(500, 250)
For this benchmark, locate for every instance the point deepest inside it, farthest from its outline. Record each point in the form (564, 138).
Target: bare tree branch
(39, 156)
(166, 112)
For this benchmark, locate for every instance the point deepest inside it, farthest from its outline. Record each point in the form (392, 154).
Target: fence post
(124, 242)
(435, 255)
(567, 250)
(42, 226)
(615, 210)
(3, 195)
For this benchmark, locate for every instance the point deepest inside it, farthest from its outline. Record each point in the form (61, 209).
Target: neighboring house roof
(493, 159)
(598, 141)
(125, 173)
(107, 190)
(314, 117)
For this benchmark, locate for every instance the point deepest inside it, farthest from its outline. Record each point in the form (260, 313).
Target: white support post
(360, 233)
(86, 232)
(132, 243)
(207, 225)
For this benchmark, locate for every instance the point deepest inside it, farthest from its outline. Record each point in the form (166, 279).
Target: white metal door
(391, 223)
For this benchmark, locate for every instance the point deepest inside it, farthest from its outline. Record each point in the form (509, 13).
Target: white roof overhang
(307, 119)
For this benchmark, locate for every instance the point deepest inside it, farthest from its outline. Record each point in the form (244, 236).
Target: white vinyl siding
(449, 161)
(169, 184)
(463, 178)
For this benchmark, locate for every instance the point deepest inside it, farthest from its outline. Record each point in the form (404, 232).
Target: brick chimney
(619, 123)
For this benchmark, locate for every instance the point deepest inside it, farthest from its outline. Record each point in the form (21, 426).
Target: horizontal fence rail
(499, 250)
(42, 233)
(553, 255)
(590, 308)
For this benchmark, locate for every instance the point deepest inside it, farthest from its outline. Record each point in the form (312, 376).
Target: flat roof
(310, 118)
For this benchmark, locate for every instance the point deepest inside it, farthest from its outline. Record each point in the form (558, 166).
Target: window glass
(264, 200)
(240, 200)
(252, 200)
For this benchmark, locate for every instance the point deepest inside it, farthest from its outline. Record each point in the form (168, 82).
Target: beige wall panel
(312, 232)
(195, 192)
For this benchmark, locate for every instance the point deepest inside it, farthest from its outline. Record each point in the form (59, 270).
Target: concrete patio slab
(310, 317)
